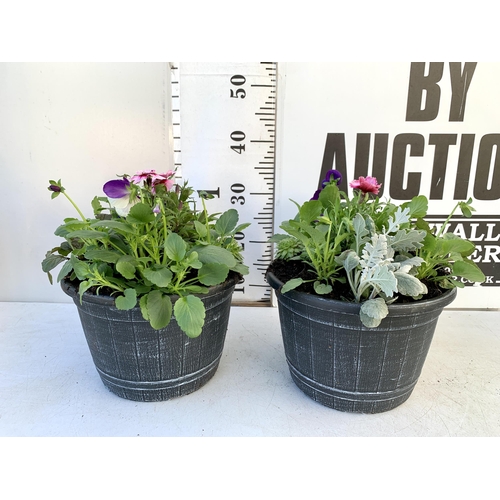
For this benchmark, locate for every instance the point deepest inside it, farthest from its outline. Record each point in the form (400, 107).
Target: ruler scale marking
(216, 117)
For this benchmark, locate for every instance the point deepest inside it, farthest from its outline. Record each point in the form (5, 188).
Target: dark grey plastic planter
(139, 363)
(338, 362)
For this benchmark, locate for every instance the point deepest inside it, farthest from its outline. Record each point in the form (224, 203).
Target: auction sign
(429, 128)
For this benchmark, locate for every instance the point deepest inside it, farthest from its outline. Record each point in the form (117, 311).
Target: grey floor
(49, 385)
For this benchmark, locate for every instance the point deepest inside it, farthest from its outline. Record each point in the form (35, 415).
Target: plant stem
(84, 219)
(206, 218)
(164, 219)
(445, 223)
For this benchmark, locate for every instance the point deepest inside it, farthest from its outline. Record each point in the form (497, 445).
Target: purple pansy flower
(331, 176)
(316, 194)
(117, 188)
(118, 194)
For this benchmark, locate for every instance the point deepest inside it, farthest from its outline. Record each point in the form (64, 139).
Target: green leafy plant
(146, 243)
(383, 251)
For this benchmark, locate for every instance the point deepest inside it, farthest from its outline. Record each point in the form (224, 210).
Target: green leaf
(372, 312)
(96, 205)
(291, 284)
(241, 269)
(201, 229)
(192, 260)
(65, 270)
(430, 242)
(114, 224)
(466, 208)
(213, 273)
(423, 224)
(104, 255)
(287, 226)
(276, 238)
(158, 275)
(118, 241)
(143, 304)
(126, 301)
(310, 211)
(317, 236)
(449, 283)
(126, 266)
(322, 288)
(175, 247)
(468, 270)
(84, 286)
(226, 222)
(241, 227)
(51, 261)
(140, 213)
(451, 243)
(214, 254)
(72, 224)
(190, 315)
(329, 195)
(418, 206)
(466, 211)
(80, 267)
(87, 234)
(159, 309)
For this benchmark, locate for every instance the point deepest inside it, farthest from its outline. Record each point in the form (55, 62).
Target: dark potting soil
(109, 292)
(287, 270)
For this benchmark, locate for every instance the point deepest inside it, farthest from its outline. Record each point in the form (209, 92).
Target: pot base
(161, 390)
(349, 401)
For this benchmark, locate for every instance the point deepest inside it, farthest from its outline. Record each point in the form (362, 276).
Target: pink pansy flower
(167, 179)
(142, 176)
(152, 178)
(366, 185)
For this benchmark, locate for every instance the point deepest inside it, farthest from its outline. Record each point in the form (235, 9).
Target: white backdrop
(83, 123)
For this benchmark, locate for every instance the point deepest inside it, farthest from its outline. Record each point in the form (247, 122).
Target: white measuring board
(224, 128)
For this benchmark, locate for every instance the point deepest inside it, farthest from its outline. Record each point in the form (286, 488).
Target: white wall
(83, 123)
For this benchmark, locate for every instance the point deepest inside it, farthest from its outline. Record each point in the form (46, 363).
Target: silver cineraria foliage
(378, 267)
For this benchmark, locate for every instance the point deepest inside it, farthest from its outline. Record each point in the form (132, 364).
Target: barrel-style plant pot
(340, 363)
(139, 363)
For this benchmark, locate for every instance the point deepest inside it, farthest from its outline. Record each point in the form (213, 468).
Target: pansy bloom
(152, 178)
(331, 176)
(167, 179)
(118, 193)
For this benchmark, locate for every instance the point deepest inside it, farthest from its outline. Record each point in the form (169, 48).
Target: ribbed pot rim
(71, 289)
(419, 306)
